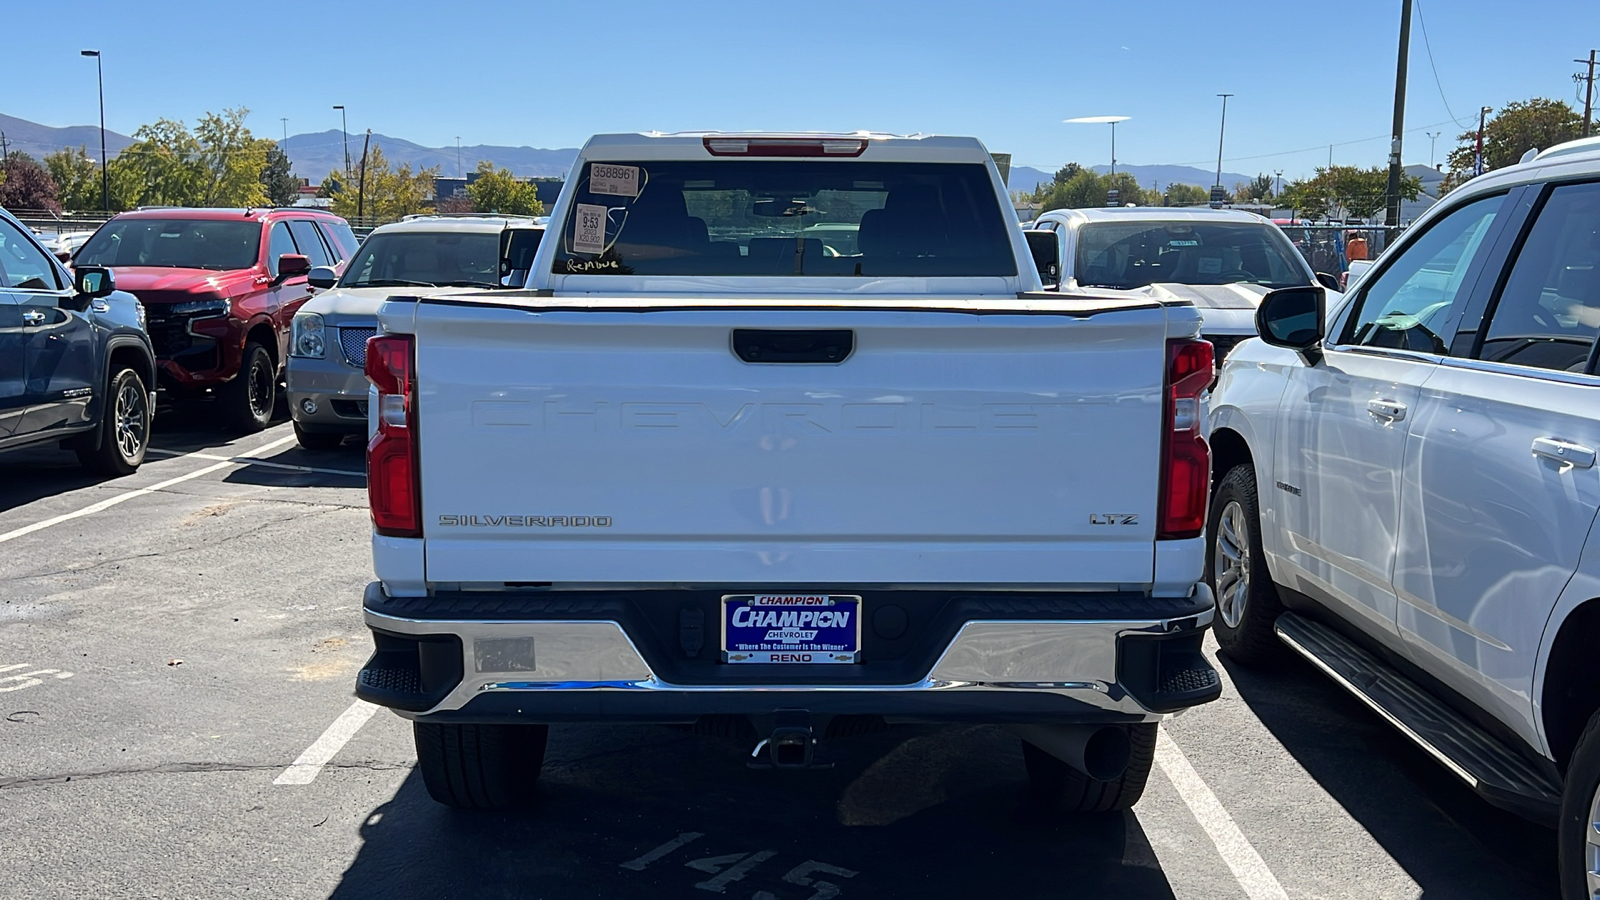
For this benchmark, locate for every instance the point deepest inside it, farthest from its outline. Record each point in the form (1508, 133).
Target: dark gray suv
(76, 366)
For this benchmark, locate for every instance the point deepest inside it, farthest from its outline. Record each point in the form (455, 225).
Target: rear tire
(251, 397)
(1236, 568)
(317, 440)
(480, 766)
(1577, 837)
(124, 427)
(1060, 788)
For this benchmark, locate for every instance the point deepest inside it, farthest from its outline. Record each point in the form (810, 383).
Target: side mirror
(93, 282)
(292, 264)
(1293, 318)
(322, 277)
(1328, 281)
(1046, 250)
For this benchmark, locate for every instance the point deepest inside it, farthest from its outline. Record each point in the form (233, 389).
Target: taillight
(785, 145)
(392, 488)
(1185, 458)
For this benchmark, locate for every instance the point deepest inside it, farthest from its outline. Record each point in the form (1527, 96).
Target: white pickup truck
(782, 441)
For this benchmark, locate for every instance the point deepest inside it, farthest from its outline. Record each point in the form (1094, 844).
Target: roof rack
(465, 215)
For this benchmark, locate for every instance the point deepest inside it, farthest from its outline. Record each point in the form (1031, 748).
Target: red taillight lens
(392, 488)
(785, 146)
(1185, 458)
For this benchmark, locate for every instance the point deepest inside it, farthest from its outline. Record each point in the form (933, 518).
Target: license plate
(791, 628)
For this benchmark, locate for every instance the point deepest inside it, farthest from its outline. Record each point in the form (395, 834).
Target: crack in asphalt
(183, 768)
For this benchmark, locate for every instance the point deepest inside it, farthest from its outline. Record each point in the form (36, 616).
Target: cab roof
(695, 145)
(1155, 214)
(257, 213)
(426, 224)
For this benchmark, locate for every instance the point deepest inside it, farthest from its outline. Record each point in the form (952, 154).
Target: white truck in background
(719, 466)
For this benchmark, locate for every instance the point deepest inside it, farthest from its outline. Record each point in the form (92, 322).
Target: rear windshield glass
(1122, 255)
(422, 259)
(791, 217)
(174, 243)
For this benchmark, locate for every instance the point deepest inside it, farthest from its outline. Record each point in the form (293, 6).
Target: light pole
(1433, 139)
(344, 128)
(1103, 120)
(1477, 160)
(1222, 133)
(100, 77)
(1279, 191)
(458, 156)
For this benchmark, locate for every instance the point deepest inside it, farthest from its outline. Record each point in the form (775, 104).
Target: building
(450, 186)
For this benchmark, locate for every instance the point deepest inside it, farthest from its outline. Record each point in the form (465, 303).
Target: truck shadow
(1446, 838)
(876, 825)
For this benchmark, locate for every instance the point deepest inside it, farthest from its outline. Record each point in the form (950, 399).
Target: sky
(543, 74)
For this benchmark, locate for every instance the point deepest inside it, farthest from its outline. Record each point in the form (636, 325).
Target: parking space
(176, 719)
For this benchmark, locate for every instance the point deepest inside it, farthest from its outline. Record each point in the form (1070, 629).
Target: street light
(1103, 120)
(1433, 137)
(458, 156)
(1222, 133)
(344, 128)
(100, 76)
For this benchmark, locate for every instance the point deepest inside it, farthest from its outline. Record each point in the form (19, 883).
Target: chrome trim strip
(1498, 368)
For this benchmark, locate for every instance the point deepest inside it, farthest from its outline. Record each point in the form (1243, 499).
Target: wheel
(1059, 787)
(1247, 600)
(480, 766)
(317, 440)
(1578, 832)
(124, 427)
(248, 400)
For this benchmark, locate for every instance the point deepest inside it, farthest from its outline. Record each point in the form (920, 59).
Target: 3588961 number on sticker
(616, 181)
(589, 229)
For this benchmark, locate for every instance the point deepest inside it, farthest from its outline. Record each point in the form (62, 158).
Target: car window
(1549, 310)
(1405, 307)
(22, 264)
(174, 243)
(278, 244)
(340, 238)
(426, 259)
(306, 238)
(1127, 255)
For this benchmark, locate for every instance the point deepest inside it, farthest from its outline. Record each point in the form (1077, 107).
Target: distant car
(63, 244)
(1223, 261)
(220, 287)
(327, 386)
(76, 367)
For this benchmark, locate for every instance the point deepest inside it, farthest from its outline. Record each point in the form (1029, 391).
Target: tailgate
(625, 447)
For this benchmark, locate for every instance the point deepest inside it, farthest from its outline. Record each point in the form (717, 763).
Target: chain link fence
(1330, 247)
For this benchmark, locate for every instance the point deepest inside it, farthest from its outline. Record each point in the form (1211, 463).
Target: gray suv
(422, 254)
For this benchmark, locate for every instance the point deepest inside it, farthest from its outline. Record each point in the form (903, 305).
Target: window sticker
(615, 181)
(1209, 265)
(589, 229)
(1183, 243)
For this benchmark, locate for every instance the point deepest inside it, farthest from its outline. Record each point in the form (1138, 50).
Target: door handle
(1564, 452)
(32, 317)
(1387, 410)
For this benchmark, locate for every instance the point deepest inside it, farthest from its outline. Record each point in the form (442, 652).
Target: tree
(455, 204)
(1343, 191)
(231, 159)
(282, 188)
(1256, 189)
(164, 162)
(1518, 127)
(24, 184)
(1179, 194)
(497, 190)
(77, 178)
(389, 192)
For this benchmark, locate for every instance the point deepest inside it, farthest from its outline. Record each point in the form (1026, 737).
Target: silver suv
(419, 255)
(1406, 490)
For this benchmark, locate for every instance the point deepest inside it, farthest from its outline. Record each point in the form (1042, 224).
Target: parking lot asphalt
(174, 642)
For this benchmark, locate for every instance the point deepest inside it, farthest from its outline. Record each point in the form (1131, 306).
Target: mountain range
(315, 154)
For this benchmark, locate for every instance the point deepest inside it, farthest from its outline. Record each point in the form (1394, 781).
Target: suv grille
(353, 341)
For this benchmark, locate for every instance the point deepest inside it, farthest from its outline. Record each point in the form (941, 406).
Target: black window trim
(1339, 339)
(321, 238)
(63, 282)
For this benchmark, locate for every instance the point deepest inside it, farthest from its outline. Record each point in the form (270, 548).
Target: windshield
(426, 259)
(174, 244)
(791, 217)
(1125, 255)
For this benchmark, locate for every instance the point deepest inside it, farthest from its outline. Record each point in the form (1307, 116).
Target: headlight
(201, 309)
(307, 337)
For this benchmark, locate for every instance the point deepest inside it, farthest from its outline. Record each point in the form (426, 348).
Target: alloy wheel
(260, 390)
(131, 420)
(1591, 845)
(1231, 564)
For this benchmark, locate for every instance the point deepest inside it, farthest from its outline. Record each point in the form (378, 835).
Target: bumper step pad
(1503, 776)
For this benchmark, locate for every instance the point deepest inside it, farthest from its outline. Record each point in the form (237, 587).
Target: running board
(1498, 773)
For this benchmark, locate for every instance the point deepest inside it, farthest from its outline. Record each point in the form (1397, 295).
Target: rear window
(791, 217)
(1124, 255)
(424, 259)
(174, 243)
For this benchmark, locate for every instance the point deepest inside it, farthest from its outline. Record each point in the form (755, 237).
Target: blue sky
(548, 75)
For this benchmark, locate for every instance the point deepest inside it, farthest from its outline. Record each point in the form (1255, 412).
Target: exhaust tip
(1106, 753)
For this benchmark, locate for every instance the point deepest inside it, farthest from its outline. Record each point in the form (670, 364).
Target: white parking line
(306, 769)
(253, 461)
(93, 508)
(1235, 849)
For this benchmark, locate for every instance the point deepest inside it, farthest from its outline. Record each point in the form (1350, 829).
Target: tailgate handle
(770, 345)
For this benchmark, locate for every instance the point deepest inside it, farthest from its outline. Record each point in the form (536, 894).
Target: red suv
(220, 288)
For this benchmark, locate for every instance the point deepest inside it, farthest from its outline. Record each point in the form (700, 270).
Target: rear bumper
(588, 657)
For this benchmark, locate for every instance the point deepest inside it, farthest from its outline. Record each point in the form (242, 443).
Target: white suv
(1405, 488)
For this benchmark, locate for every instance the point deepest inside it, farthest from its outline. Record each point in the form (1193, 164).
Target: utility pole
(1222, 133)
(1392, 215)
(361, 189)
(5, 152)
(1477, 160)
(1588, 93)
(344, 128)
(1433, 137)
(458, 156)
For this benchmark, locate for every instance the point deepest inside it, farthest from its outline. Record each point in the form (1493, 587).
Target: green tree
(1343, 191)
(77, 178)
(231, 159)
(282, 188)
(387, 193)
(1178, 194)
(1256, 189)
(1518, 127)
(24, 184)
(497, 190)
(164, 161)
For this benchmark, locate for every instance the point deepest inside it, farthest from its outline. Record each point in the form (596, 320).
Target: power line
(1437, 83)
(1376, 137)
